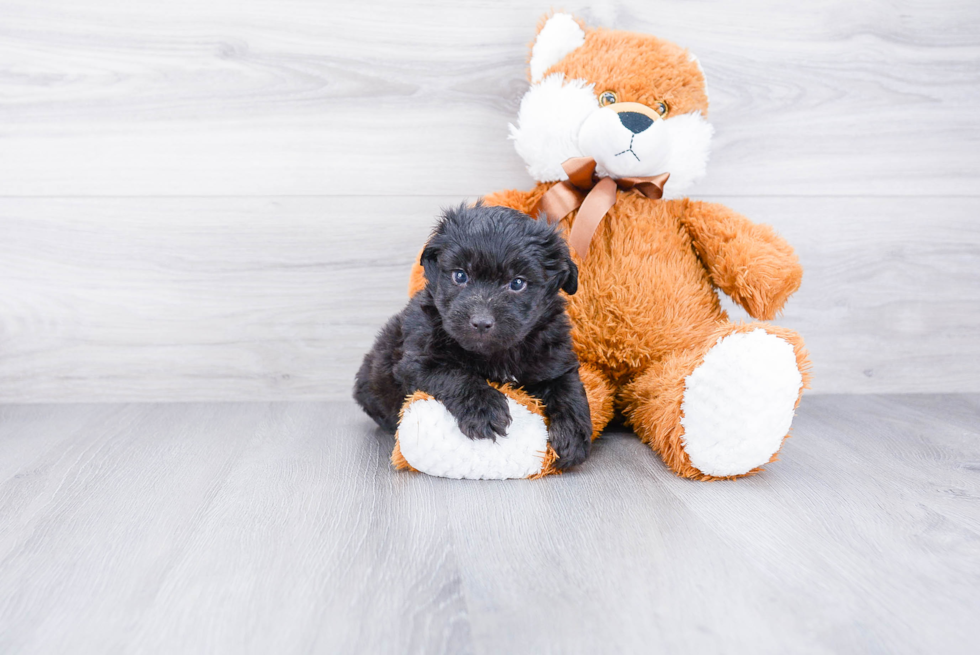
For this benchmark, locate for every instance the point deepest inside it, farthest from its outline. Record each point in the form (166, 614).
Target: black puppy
(490, 311)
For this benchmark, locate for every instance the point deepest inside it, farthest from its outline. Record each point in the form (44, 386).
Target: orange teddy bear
(614, 130)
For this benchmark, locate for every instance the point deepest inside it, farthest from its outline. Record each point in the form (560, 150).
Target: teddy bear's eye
(661, 108)
(607, 98)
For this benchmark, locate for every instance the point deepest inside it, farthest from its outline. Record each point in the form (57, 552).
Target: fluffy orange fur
(646, 311)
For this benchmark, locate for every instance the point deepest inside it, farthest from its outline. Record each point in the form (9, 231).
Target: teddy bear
(614, 132)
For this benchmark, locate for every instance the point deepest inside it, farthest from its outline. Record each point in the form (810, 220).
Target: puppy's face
(494, 274)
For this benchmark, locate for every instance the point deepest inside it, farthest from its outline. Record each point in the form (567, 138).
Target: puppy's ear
(570, 282)
(451, 216)
(430, 259)
(560, 265)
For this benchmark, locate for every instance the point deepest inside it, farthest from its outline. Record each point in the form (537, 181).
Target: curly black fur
(463, 330)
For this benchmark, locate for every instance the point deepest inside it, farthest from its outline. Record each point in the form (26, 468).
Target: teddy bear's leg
(429, 440)
(723, 409)
(601, 393)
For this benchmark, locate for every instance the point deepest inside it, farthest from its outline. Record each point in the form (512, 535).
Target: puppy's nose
(481, 322)
(634, 121)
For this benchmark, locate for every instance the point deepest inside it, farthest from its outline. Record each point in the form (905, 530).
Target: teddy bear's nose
(634, 121)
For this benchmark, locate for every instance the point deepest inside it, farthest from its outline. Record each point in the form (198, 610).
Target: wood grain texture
(218, 200)
(279, 298)
(262, 97)
(239, 528)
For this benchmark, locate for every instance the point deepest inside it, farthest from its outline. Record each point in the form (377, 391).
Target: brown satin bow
(592, 196)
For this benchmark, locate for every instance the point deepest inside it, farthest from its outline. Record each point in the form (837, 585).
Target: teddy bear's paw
(739, 403)
(430, 441)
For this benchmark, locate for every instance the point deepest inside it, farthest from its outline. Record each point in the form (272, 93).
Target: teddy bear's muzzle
(626, 139)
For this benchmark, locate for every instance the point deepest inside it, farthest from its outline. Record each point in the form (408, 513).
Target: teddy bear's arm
(748, 261)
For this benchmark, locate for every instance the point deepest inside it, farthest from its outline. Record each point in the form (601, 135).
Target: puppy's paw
(572, 441)
(485, 417)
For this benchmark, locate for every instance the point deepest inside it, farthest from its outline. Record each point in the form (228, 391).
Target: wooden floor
(280, 528)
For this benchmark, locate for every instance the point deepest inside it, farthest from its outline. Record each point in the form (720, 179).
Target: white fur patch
(618, 152)
(739, 403)
(548, 124)
(690, 147)
(559, 36)
(431, 441)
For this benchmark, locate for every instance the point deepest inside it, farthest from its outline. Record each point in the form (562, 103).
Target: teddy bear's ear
(559, 35)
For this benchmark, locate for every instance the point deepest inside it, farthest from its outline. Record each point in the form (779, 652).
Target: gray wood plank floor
(265, 527)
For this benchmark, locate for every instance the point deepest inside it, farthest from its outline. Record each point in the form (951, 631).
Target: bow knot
(593, 196)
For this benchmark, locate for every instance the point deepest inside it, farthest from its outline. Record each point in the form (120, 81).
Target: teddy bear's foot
(725, 410)
(429, 440)
(739, 403)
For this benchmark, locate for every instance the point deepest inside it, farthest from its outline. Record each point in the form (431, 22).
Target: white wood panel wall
(218, 199)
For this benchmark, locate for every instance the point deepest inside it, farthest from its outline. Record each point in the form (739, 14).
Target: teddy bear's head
(633, 102)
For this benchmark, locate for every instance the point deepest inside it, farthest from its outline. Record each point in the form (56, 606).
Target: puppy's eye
(518, 284)
(661, 108)
(460, 277)
(607, 98)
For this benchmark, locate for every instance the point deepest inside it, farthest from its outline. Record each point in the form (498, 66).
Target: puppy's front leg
(569, 418)
(480, 410)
